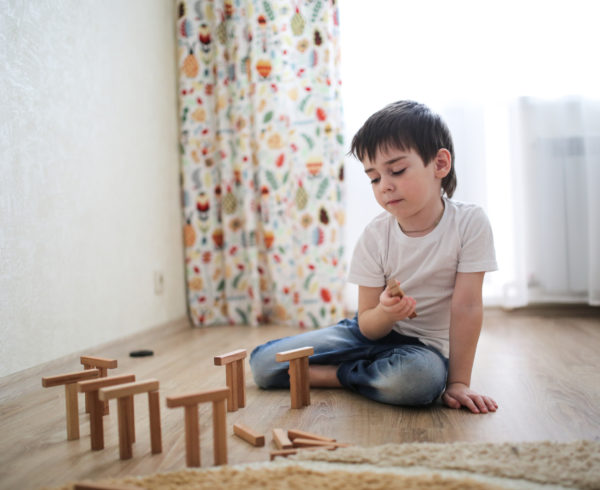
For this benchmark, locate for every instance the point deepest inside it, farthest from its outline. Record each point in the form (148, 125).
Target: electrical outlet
(159, 282)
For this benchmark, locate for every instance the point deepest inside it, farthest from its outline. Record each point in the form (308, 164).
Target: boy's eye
(374, 181)
(398, 172)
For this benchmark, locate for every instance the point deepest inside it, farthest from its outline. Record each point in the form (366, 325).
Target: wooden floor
(542, 367)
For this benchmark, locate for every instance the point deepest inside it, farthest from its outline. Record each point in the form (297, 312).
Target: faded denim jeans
(395, 369)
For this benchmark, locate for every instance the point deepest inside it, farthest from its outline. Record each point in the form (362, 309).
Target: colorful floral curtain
(262, 161)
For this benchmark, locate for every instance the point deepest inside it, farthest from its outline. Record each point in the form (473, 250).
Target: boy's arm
(378, 311)
(465, 326)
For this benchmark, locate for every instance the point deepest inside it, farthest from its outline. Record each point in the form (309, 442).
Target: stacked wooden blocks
(299, 380)
(91, 388)
(192, 437)
(234, 378)
(103, 365)
(124, 393)
(70, 380)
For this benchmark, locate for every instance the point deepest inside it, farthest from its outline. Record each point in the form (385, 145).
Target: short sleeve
(366, 267)
(477, 253)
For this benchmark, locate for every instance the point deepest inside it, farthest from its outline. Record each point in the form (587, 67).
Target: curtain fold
(262, 161)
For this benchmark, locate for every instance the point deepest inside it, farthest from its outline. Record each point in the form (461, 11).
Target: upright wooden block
(192, 436)
(299, 377)
(70, 380)
(190, 402)
(235, 377)
(124, 394)
(220, 431)
(304, 380)
(124, 417)
(395, 290)
(91, 388)
(102, 364)
(155, 430)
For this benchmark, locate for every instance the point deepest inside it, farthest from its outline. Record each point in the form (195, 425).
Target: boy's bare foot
(323, 376)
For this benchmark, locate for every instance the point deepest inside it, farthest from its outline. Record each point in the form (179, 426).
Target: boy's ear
(443, 163)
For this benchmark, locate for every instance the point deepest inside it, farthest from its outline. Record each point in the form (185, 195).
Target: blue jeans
(395, 369)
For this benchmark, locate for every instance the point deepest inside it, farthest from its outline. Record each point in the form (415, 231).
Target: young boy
(438, 249)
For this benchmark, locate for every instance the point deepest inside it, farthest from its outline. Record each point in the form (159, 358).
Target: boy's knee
(267, 373)
(420, 381)
(258, 368)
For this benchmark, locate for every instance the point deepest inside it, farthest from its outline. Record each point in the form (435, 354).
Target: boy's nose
(387, 185)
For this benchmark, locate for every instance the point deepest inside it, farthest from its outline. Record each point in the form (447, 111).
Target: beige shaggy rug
(470, 466)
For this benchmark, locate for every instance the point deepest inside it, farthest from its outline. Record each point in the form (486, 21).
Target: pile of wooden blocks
(99, 389)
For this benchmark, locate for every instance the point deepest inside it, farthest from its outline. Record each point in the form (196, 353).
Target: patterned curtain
(262, 161)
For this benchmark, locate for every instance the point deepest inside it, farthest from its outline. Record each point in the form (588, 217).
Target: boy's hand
(396, 308)
(460, 395)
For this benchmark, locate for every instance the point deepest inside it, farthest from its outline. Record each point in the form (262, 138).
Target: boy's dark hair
(406, 125)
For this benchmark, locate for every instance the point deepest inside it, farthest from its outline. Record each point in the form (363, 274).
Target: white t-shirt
(425, 266)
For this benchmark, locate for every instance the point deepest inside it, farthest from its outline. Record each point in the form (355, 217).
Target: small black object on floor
(141, 353)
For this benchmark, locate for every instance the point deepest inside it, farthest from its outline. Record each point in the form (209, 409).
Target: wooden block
(302, 442)
(295, 433)
(96, 421)
(281, 439)
(155, 429)
(395, 290)
(295, 383)
(196, 398)
(299, 381)
(235, 355)
(97, 486)
(241, 385)
(87, 395)
(72, 407)
(68, 378)
(249, 435)
(218, 398)
(126, 389)
(125, 442)
(130, 417)
(192, 436)
(69, 381)
(98, 362)
(102, 364)
(294, 354)
(96, 384)
(232, 382)
(235, 378)
(282, 452)
(304, 381)
(219, 432)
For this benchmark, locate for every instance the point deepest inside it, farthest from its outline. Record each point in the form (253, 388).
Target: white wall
(89, 175)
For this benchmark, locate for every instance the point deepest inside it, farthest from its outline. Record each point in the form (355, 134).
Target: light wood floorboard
(541, 365)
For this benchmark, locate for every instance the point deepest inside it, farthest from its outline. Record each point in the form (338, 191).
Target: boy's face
(405, 187)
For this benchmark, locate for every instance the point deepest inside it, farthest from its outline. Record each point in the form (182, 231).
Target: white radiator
(556, 146)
